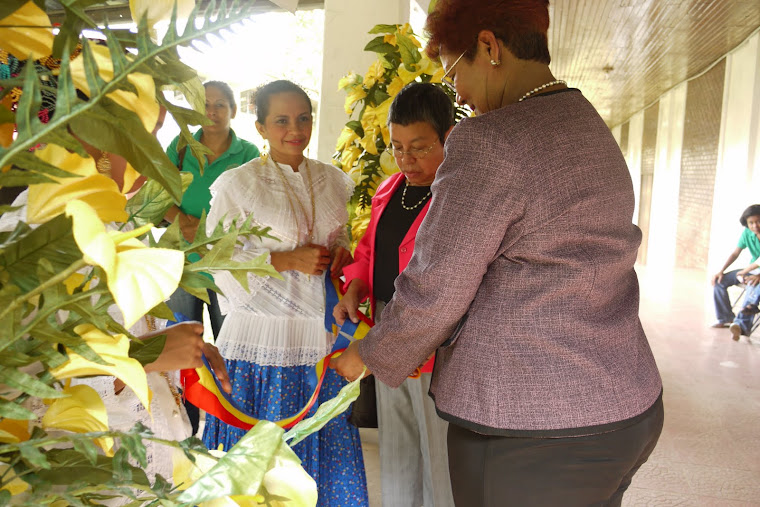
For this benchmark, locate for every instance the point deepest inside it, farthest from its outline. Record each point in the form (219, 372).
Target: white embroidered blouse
(279, 322)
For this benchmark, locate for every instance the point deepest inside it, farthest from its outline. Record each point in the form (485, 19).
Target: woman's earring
(495, 63)
(264, 154)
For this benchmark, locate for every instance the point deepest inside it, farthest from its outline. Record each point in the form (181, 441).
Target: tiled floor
(709, 452)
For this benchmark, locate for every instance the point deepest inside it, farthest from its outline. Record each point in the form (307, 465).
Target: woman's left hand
(340, 258)
(349, 364)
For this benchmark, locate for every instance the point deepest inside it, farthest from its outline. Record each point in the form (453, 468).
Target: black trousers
(490, 471)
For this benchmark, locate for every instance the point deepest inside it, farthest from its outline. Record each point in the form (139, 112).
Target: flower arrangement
(78, 248)
(361, 146)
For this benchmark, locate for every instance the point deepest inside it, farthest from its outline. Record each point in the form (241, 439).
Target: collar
(235, 145)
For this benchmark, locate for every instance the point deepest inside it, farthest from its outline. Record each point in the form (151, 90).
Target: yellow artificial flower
(428, 66)
(405, 29)
(395, 86)
(356, 172)
(144, 104)
(390, 38)
(48, 200)
(376, 116)
(129, 177)
(346, 138)
(374, 74)
(74, 281)
(159, 10)
(12, 483)
(81, 412)
(114, 350)
(360, 224)
(20, 35)
(356, 94)
(13, 431)
(138, 277)
(369, 143)
(348, 80)
(349, 156)
(388, 163)
(407, 75)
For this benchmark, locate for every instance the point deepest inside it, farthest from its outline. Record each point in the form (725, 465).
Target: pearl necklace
(403, 196)
(539, 88)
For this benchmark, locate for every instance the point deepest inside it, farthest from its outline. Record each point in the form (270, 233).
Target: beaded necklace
(539, 88)
(403, 196)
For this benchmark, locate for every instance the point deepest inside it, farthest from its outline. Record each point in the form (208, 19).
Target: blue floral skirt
(332, 456)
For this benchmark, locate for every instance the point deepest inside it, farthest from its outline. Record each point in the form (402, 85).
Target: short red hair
(520, 24)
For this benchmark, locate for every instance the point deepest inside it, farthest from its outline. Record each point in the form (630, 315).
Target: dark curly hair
(520, 24)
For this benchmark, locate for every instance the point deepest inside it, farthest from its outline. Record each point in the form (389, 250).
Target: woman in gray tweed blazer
(522, 279)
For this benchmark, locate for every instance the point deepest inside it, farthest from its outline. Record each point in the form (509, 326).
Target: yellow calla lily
(74, 281)
(20, 35)
(407, 75)
(82, 412)
(405, 29)
(374, 74)
(388, 163)
(395, 86)
(348, 80)
(113, 350)
(390, 38)
(48, 200)
(356, 94)
(138, 277)
(346, 138)
(13, 431)
(15, 485)
(376, 116)
(144, 104)
(159, 10)
(360, 224)
(368, 143)
(349, 156)
(130, 176)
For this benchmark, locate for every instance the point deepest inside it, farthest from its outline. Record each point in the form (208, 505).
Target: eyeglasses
(417, 153)
(449, 81)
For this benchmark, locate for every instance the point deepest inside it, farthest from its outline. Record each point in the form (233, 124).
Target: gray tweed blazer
(522, 278)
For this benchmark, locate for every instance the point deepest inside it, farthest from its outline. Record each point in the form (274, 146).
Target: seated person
(742, 324)
(721, 281)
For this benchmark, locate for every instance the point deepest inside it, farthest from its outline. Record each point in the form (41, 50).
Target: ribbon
(203, 389)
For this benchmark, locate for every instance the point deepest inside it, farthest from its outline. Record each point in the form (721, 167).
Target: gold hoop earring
(495, 63)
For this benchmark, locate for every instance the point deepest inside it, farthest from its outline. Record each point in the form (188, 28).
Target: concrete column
(737, 179)
(346, 25)
(667, 179)
(633, 157)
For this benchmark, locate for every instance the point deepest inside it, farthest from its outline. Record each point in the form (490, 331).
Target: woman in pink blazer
(413, 456)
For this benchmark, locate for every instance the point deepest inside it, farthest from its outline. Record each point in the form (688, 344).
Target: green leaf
(241, 470)
(384, 29)
(11, 410)
(8, 7)
(133, 444)
(198, 285)
(431, 7)
(104, 127)
(150, 204)
(52, 240)
(27, 383)
(378, 45)
(147, 351)
(356, 126)
(34, 457)
(87, 449)
(71, 466)
(410, 53)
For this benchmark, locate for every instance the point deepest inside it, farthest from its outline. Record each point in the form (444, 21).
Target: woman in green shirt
(229, 152)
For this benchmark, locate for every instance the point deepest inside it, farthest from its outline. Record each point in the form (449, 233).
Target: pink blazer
(363, 266)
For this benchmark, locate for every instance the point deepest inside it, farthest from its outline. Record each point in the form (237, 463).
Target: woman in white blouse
(273, 335)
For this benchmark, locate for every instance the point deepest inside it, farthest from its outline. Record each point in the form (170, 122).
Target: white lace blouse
(279, 322)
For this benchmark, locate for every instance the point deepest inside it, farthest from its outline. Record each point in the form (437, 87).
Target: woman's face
(418, 137)
(753, 224)
(287, 127)
(219, 110)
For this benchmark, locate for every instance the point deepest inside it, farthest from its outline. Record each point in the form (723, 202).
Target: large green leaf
(52, 240)
(104, 126)
(241, 470)
(69, 466)
(378, 45)
(27, 383)
(147, 351)
(383, 29)
(150, 204)
(11, 410)
(410, 53)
